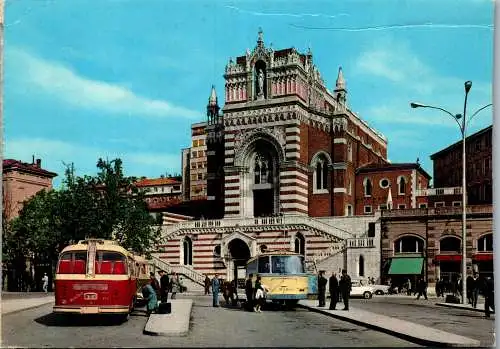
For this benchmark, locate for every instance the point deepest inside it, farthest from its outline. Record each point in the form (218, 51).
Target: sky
(85, 79)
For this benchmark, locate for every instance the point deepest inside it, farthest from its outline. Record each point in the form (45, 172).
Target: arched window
(485, 243)
(450, 244)
(261, 170)
(361, 266)
(217, 251)
(367, 183)
(299, 244)
(401, 185)
(187, 246)
(320, 163)
(409, 244)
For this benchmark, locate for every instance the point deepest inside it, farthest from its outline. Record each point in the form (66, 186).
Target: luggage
(450, 298)
(164, 308)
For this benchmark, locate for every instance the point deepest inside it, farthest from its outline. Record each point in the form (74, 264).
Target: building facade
(198, 162)
(161, 193)
(447, 165)
(20, 182)
(427, 243)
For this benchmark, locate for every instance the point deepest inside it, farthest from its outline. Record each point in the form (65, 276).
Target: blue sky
(126, 78)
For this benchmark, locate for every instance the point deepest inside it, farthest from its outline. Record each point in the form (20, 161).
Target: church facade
(290, 166)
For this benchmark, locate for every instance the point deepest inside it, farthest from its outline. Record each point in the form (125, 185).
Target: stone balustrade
(439, 191)
(437, 211)
(361, 242)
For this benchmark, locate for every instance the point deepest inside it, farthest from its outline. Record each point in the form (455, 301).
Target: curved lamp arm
(454, 117)
(477, 111)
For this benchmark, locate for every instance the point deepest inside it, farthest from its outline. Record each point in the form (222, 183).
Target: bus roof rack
(99, 241)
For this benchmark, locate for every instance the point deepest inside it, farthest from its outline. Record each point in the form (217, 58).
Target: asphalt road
(462, 322)
(214, 327)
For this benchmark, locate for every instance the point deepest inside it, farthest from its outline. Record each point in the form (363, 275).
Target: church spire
(260, 39)
(340, 92)
(340, 84)
(213, 107)
(212, 100)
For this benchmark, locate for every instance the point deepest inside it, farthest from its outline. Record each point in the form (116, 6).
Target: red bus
(98, 276)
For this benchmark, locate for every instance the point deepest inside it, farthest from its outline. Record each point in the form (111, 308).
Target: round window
(384, 183)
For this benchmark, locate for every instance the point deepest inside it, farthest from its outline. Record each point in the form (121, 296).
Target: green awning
(406, 266)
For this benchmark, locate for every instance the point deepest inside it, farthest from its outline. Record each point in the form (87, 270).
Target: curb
(407, 337)
(451, 305)
(27, 308)
(181, 333)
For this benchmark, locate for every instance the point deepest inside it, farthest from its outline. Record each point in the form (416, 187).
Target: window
(439, 204)
(193, 177)
(487, 165)
(349, 210)
(73, 263)
(261, 171)
(367, 183)
(401, 206)
(321, 175)
(200, 176)
(217, 250)
(422, 206)
(194, 154)
(361, 266)
(382, 207)
(193, 166)
(409, 244)
(450, 244)
(368, 209)
(457, 203)
(401, 185)
(201, 142)
(195, 142)
(299, 244)
(384, 183)
(108, 262)
(187, 247)
(287, 264)
(264, 266)
(485, 243)
(371, 230)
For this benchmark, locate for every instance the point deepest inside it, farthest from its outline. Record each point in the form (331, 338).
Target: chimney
(39, 163)
(33, 161)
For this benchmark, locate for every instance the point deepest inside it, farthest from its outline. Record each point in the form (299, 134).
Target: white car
(359, 290)
(380, 289)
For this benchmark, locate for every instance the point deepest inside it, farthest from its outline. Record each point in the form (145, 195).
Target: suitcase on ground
(452, 299)
(164, 308)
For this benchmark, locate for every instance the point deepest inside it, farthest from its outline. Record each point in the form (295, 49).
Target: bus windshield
(287, 264)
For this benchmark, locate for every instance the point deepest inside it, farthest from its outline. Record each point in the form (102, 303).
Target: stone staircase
(187, 271)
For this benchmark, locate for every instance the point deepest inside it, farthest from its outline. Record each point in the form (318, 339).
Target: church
(289, 166)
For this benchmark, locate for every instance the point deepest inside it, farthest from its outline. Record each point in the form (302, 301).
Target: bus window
(287, 264)
(252, 268)
(264, 265)
(73, 263)
(108, 262)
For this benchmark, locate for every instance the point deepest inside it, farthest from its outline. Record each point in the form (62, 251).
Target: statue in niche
(260, 82)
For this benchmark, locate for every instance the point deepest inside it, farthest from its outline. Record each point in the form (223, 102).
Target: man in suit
(333, 285)
(249, 292)
(215, 290)
(164, 283)
(345, 286)
(322, 288)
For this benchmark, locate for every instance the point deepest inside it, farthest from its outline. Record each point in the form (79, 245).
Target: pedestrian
(438, 288)
(468, 285)
(333, 285)
(408, 287)
(45, 281)
(215, 290)
(249, 292)
(322, 281)
(421, 288)
(154, 284)
(459, 286)
(174, 285)
(260, 295)
(345, 286)
(164, 286)
(475, 289)
(149, 295)
(489, 292)
(207, 285)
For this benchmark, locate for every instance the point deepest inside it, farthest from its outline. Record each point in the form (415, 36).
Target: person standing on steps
(333, 285)
(322, 281)
(215, 290)
(345, 286)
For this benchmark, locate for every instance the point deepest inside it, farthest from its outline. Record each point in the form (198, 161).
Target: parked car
(380, 289)
(360, 290)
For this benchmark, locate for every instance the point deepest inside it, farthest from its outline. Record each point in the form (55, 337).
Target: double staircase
(184, 270)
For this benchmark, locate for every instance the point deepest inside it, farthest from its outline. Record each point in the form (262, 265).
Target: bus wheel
(291, 304)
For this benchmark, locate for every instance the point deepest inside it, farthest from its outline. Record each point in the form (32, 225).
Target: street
(210, 326)
(462, 322)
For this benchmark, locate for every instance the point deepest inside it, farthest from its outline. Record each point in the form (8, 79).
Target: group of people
(340, 290)
(155, 289)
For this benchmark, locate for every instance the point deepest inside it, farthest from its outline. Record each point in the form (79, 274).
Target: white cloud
(54, 153)
(64, 84)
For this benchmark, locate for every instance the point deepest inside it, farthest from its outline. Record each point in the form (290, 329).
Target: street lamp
(463, 128)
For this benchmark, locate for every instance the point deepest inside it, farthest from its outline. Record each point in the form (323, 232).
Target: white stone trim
(232, 200)
(264, 124)
(294, 205)
(229, 135)
(413, 188)
(339, 190)
(294, 173)
(295, 129)
(292, 180)
(232, 192)
(292, 147)
(340, 141)
(293, 187)
(231, 177)
(320, 191)
(294, 197)
(293, 154)
(233, 186)
(228, 160)
(229, 152)
(293, 138)
(229, 145)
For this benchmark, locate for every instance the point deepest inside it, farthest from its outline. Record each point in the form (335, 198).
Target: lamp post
(463, 128)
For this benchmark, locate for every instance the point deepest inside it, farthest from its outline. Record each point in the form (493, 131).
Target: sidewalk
(174, 324)
(19, 302)
(396, 327)
(479, 308)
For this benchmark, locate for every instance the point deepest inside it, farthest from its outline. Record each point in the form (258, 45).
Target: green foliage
(107, 206)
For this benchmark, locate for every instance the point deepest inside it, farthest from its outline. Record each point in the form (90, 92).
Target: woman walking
(260, 295)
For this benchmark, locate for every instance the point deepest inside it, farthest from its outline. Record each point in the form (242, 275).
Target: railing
(437, 211)
(360, 242)
(185, 270)
(260, 221)
(439, 191)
